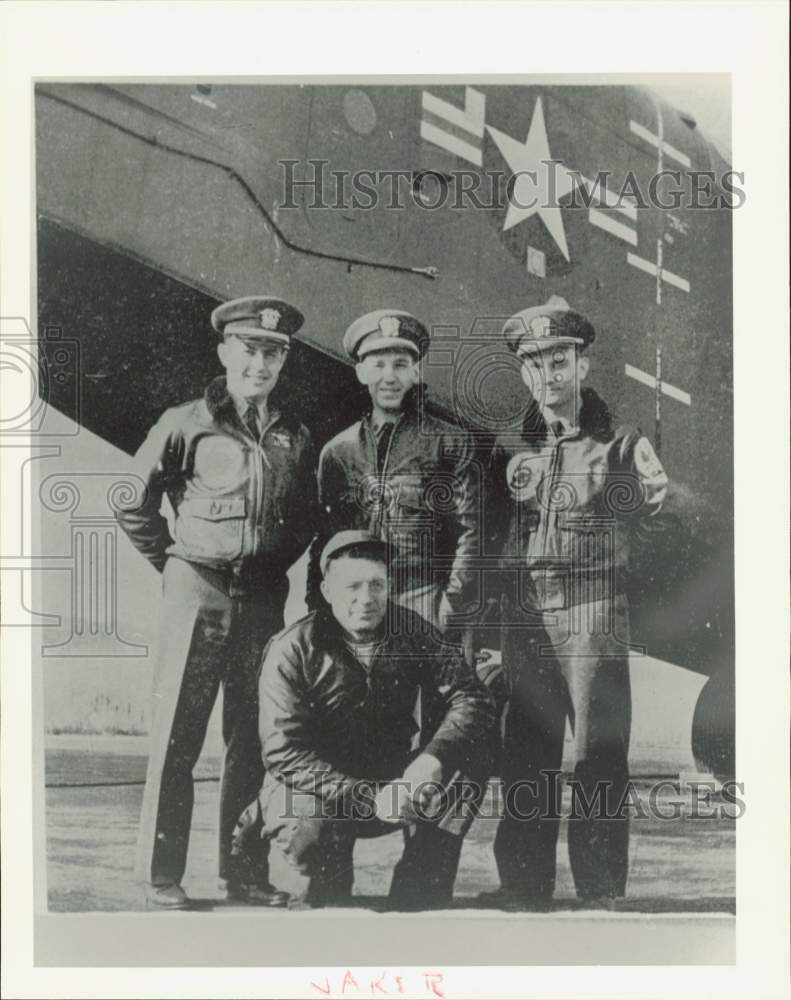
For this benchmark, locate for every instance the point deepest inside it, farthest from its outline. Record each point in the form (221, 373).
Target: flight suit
(243, 512)
(572, 496)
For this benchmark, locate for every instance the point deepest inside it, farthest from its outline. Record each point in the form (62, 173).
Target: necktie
(251, 421)
(384, 434)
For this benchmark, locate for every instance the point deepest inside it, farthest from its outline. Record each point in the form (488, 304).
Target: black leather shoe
(255, 895)
(166, 897)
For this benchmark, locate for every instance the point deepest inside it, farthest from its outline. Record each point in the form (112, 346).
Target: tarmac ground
(683, 865)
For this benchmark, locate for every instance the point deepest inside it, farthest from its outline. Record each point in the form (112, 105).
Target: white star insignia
(530, 164)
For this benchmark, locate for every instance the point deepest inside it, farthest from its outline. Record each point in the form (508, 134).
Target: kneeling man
(337, 691)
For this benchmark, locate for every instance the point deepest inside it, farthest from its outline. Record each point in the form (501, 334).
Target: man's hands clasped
(408, 798)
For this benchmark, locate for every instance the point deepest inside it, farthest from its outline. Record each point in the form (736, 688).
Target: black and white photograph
(382, 577)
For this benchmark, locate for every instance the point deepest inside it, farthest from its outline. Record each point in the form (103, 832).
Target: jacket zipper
(369, 676)
(366, 705)
(384, 467)
(553, 467)
(381, 475)
(261, 460)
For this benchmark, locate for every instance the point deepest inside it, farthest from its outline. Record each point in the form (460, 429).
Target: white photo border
(254, 40)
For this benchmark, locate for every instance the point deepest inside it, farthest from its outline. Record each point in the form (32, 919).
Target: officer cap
(262, 316)
(546, 326)
(346, 540)
(385, 329)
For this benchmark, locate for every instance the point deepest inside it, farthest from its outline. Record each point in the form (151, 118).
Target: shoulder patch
(522, 475)
(646, 461)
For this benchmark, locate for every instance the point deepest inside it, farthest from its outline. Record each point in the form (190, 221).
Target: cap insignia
(540, 327)
(389, 326)
(270, 318)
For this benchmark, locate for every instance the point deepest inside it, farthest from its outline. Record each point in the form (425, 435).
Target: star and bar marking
(538, 175)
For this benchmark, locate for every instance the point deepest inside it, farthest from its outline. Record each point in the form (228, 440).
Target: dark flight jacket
(326, 723)
(243, 508)
(424, 500)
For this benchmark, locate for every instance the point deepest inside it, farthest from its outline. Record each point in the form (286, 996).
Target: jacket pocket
(585, 541)
(211, 527)
(409, 502)
(410, 524)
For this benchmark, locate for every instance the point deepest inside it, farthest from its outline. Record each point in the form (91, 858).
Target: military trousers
(207, 640)
(312, 852)
(425, 602)
(429, 706)
(569, 663)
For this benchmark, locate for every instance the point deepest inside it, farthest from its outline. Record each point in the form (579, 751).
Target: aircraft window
(202, 95)
(431, 187)
(359, 112)
(365, 136)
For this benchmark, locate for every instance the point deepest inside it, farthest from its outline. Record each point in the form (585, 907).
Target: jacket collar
(595, 419)
(222, 407)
